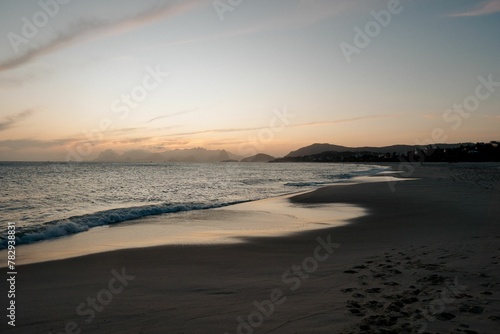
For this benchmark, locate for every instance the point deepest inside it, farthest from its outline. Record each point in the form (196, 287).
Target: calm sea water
(49, 200)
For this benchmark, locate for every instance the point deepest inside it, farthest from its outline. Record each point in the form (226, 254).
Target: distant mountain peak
(260, 157)
(198, 154)
(316, 148)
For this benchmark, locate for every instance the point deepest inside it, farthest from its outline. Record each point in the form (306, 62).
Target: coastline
(210, 288)
(272, 216)
(234, 224)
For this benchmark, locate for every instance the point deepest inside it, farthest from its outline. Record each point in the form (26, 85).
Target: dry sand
(425, 259)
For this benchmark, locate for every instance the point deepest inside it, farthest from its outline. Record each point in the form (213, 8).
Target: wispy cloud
(33, 143)
(21, 144)
(215, 131)
(91, 29)
(345, 120)
(131, 140)
(300, 125)
(163, 140)
(11, 120)
(302, 14)
(182, 112)
(483, 8)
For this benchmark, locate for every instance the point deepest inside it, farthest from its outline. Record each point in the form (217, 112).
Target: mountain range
(188, 155)
(320, 148)
(204, 155)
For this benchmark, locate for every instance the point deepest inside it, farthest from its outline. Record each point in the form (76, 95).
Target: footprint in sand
(350, 271)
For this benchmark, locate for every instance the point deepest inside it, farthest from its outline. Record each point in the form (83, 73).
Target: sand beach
(422, 255)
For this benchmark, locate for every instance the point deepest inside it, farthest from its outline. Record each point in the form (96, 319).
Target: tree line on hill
(478, 152)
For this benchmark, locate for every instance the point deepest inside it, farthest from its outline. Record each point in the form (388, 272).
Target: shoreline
(271, 217)
(107, 203)
(217, 225)
(445, 223)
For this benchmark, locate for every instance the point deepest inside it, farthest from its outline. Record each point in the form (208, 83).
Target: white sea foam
(50, 200)
(72, 225)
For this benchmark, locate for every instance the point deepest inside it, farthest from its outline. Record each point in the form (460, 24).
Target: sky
(78, 77)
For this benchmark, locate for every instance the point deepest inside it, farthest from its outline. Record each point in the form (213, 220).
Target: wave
(81, 223)
(307, 184)
(336, 178)
(344, 176)
(77, 224)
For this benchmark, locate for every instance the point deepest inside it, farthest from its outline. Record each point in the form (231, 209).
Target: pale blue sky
(227, 77)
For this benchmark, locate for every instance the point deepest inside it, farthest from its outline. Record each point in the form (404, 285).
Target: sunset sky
(79, 77)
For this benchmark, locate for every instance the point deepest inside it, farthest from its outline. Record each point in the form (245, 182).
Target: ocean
(48, 200)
